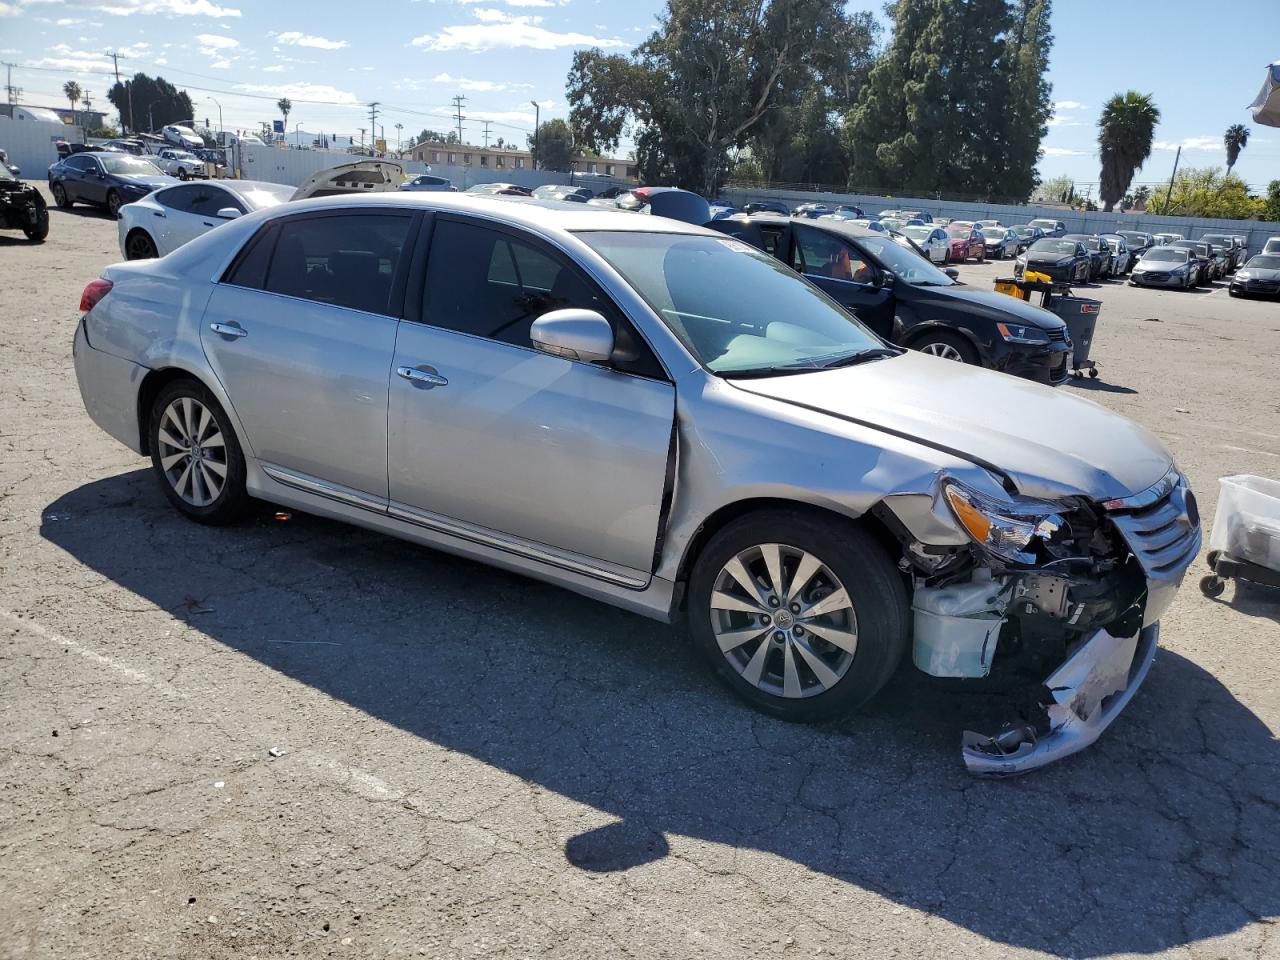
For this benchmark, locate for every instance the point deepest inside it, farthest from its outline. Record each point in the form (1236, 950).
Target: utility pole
(536, 115)
(13, 92)
(1169, 192)
(373, 121)
(458, 101)
(486, 133)
(361, 129)
(399, 138)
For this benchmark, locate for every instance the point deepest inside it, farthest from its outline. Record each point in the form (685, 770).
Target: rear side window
(250, 268)
(348, 261)
(180, 198)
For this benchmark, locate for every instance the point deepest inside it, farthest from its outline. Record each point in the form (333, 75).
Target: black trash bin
(1081, 317)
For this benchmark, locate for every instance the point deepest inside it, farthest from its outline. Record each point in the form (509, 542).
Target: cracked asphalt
(295, 738)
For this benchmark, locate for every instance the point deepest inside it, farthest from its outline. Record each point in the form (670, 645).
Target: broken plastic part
(1083, 697)
(957, 626)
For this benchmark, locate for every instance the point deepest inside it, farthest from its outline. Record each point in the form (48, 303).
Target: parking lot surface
(296, 738)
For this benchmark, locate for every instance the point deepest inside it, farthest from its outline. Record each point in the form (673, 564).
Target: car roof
(548, 216)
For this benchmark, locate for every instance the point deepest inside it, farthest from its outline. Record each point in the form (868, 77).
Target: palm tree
(284, 104)
(1125, 131)
(71, 90)
(1235, 139)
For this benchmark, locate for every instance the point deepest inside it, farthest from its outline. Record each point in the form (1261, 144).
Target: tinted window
(82, 164)
(822, 255)
(178, 198)
(347, 261)
(250, 267)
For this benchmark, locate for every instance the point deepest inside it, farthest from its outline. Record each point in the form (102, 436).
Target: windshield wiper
(862, 356)
(815, 363)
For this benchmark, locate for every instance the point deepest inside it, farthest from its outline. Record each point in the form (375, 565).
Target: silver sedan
(665, 419)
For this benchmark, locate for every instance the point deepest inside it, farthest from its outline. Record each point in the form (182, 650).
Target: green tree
(1235, 139)
(1271, 205)
(1208, 192)
(71, 90)
(284, 105)
(552, 149)
(698, 87)
(1055, 190)
(958, 102)
(1125, 131)
(157, 97)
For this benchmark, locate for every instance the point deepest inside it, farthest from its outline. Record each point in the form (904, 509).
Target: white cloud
(1069, 105)
(1190, 143)
(500, 31)
(274, 68)
(300, 91)
(1056, 121)
(208, 41)
(295, 39)
(124, 8)
(462, 83)
(1064, 152)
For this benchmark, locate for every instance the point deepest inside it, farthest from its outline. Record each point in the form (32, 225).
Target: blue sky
(415, 55)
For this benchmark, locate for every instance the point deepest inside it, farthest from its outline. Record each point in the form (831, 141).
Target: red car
(965, 243)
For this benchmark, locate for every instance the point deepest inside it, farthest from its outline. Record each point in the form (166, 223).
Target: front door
(301, 334)
(845, 274)
(556, 459)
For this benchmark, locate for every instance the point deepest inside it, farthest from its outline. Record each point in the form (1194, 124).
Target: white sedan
(932, 241)
(163, 221)
(179, 163)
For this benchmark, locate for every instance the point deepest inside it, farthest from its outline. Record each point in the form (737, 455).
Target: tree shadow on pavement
(1166, 832)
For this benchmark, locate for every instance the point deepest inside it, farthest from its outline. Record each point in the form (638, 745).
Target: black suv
(907, 300)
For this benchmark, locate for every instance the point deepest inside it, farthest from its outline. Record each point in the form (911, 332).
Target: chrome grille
(1059, 334)
(1161, 526)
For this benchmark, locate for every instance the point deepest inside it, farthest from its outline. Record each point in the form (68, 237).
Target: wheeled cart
(1245, 543)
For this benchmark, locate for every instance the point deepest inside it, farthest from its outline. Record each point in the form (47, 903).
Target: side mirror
(573, 334)
(228, 213)
(952, 272)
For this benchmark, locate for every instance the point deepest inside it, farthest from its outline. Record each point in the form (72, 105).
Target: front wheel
(803, 617)
(37, 232)
(114, 205)
(196, 456)
(948, 346)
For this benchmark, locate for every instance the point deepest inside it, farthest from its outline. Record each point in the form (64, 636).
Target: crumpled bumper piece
(1082, 697)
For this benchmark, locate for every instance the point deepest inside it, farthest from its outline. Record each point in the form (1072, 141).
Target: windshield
(128, 166)
(757, 315)
(993, 233)
(918, 233)
(1063, 248)
(1165, 255)
(906, 265)
(1264, 263)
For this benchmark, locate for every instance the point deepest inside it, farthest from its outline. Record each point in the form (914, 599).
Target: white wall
(1077, 222)
(29, 144)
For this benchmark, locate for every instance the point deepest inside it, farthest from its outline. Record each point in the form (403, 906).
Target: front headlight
(1179, 271)
(1243, 275)
(1021, 333)
(1004, 529)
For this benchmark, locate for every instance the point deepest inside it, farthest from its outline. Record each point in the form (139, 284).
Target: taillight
(95, 291)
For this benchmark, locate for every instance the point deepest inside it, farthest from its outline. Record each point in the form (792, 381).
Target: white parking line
(1265, 453)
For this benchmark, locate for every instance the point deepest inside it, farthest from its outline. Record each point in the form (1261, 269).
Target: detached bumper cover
(1082, 698)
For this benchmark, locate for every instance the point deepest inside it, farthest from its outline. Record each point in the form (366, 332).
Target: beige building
(493, 158)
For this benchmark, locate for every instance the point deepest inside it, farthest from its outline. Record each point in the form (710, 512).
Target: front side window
(822, 255)
(487, 283)
(757, 317)
(346, 261)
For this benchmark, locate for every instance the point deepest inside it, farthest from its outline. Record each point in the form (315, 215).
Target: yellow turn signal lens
(974, 521)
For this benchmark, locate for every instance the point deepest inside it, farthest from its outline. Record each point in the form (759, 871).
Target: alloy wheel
(944, 350)
(139, 246)
(784, 621)
(113, 205)
(192, 451)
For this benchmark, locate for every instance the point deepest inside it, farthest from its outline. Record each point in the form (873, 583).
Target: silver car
(662, 418)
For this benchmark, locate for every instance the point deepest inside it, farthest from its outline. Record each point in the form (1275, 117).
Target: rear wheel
(139, 246)
(948, 346)
(60, 197)
(803, 617)
(195, 454)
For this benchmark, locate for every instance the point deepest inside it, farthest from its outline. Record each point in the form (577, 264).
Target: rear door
(179, 222)
(301, 332)
(560, 460)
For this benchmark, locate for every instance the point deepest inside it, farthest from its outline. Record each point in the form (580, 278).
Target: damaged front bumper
(1080, 700)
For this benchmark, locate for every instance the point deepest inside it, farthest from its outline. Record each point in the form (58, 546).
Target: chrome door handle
(228, 330)
(426, 378)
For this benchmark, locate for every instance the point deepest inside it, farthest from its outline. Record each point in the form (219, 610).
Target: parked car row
(557, 389)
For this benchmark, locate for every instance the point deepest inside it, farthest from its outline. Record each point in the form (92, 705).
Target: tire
(60, 197)
(114, 204)
(138, 245)
(37, 233)
(182, 173)
(948, 346)
(178, 410)
(866, 637)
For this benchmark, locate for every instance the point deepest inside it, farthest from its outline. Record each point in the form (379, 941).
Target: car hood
(1258, 273)
(991, 302)
(1049, 442)
(147, 179)
(361, 176)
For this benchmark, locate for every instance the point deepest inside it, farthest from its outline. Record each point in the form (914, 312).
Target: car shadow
(81, 209)
(1097, 385)
(1164, 833)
